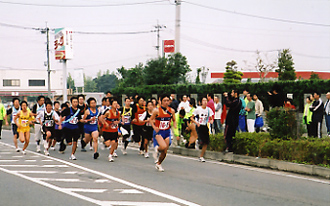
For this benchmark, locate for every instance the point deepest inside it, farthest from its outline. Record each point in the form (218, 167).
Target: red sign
(169, 46)
(59, 55)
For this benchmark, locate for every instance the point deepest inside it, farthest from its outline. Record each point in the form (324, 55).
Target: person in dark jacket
(234, 103)
(317, 117)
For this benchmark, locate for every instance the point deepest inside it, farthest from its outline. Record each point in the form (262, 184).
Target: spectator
(3, 116)
(289, 104)
(317, 117)
(259, 109)
(276, 98)
(217, 117)
(179, 120)
(190, 126)
(174, 104)
(242, 117)
(108, 94)
(235, 104)
(307, 117)
(210, 104)
(184, 104)
(251, 117)
(327, 113)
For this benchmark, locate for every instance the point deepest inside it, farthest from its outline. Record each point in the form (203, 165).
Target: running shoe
(23, 152)
(91, 148)
(114, 154)
(141, 152)
(110, 158)
(18, 149)
(201, 159)
(72, 157)
(146, 155)
(159, 167)
(46, 152)
(96, 155)
(124, 151)
(52, 148)
(38, 149)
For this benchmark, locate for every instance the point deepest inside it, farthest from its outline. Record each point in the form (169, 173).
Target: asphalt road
(35, 179)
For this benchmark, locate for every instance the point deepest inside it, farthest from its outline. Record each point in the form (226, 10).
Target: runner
(25, 118)
(13, 111)
(91, 131)
(204, 115)
(161, 123)
(126, 115)
(82, 107)
(110, 122)
(57, 132)
(70, 126)
(137, 110)
(60, 136)
(102, 109)
(48, 119)
(37, 110)
(147, 128)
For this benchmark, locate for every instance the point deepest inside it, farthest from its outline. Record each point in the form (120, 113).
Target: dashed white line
(85, 190)
(58, 180)
(9, 160)
(34, 172)
(128, 191)
(126, 203)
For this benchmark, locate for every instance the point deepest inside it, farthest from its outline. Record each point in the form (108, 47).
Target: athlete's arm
(85, 116)
(134, 110)
(192, 118)
(173, 118)
(152, 120)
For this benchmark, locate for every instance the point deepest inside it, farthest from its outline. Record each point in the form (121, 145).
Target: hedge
(297, 88)
(309, 150)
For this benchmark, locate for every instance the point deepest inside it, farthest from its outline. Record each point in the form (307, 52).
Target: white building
(29, 83)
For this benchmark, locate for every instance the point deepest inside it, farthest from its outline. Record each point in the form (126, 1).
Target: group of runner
(79, 119)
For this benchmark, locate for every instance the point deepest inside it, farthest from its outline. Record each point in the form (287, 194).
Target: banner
(78, 77)
(63, 44)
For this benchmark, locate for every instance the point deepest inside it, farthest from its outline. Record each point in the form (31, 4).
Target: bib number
(74, 120)
(163, 125)
(113, 126)
(49, 123)
(24, 123)
(127, 119)
(93, 122)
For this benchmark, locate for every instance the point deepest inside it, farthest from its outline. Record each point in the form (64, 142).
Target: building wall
(24, 76)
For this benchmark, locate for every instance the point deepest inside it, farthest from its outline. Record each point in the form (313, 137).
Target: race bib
(141, 117)
(201, 120)
(163, 125)
(113, 126)
(25, 122)
(93, 122)
(74, 120)
(49, 123)
(127, 119)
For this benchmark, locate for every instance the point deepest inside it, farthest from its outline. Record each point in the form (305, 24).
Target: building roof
(256, 75)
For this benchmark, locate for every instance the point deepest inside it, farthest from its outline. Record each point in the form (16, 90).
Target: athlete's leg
(95, 136)
(113, 146)
(162, 148)
(26, 137)
(146, 142)
(87, 138)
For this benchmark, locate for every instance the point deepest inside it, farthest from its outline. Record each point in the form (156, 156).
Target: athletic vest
(126, 116)
(112, 127)
(138, 114)
(24, 119)
(163, 120)
(14, 112)
(48, 119)
(73, 123)
(91, 115)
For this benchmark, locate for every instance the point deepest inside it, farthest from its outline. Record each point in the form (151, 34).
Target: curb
(257, 162)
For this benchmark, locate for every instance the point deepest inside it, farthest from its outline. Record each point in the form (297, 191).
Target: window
(11, 82)
(36, 83)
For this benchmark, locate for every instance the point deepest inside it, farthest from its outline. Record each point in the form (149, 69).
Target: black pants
(316, 129)
(0, 127)
(138, 135)
(230, 132)
(125, 137)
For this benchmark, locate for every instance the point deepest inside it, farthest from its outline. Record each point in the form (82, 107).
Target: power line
(83, 6)
(19, 27)
(260, 17)
(112, 33)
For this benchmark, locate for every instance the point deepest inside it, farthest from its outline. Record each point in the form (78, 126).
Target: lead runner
(161, 122)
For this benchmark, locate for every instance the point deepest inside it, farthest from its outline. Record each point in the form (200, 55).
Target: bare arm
(152, 120)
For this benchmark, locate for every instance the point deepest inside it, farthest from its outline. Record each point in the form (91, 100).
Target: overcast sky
(209, 37)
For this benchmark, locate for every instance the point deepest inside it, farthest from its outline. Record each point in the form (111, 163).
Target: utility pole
(46, 31)
(158, 29)
(177, 25)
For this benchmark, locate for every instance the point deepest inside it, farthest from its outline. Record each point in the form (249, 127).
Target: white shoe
(45, 144)
(52, 148)
(46, 152)
(23, 152)
(114, 154)
(18, 149)
(146, 155)
(38, 149)
(110, 158)
(91, 148)
(159, 167)
(201, 159)
(72, 157)
(141, 152)
(124, 151)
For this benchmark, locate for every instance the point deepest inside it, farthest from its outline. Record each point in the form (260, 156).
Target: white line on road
(46, 160)
(128, 191)
(47, 166)
(17, 156)
(30, 160)
(102, 181)
(58, 180)
(34, 172)
(85, 190)
(74, 172)
(139, 187)
(9, 160)
(126, 203)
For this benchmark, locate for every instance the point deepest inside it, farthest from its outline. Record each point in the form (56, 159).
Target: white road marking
(85, 190)
(18, 156)
(73, 172)
(126, 203)
(128, 191)
(35, 156)
(58, 180)
(6, 153)
(9, 160)
(34, 172)
(30, 160)
(139, 187)
(46, 160)
(47, 166)
(102, 181)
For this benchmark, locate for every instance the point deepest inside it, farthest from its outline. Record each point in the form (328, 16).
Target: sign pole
(65, 95)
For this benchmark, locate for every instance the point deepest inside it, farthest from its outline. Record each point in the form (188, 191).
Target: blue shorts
(89, 129)
(164, 133)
